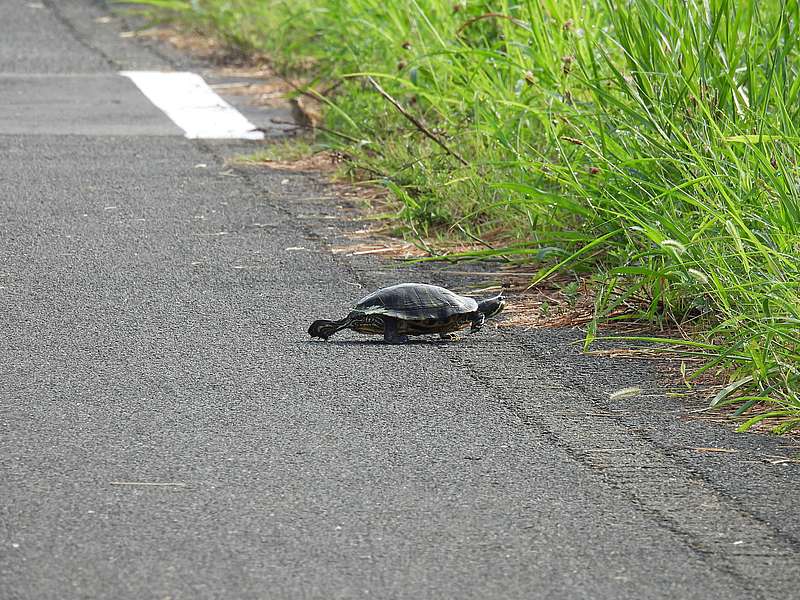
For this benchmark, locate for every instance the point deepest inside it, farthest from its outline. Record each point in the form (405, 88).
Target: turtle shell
(416, 302)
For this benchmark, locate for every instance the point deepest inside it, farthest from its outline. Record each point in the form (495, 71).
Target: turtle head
(492, 306)
(322, 328)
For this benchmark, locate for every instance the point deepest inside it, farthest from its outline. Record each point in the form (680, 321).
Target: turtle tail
(324, 329)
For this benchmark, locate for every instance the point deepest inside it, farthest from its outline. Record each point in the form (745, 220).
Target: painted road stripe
(193, 106)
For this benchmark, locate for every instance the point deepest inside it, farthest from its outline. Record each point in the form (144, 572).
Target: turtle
(412, 309)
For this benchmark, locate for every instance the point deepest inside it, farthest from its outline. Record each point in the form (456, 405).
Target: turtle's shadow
(417, 342)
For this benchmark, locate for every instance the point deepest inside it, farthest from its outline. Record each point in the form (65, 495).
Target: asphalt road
(153, 308)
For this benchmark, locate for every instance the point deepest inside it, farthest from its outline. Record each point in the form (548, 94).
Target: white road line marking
(193, 106)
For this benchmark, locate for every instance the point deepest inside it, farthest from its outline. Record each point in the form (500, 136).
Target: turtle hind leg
(477, 322)
(447, 336)
(390, 334)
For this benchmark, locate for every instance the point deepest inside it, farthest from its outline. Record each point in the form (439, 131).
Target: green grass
(652, 144)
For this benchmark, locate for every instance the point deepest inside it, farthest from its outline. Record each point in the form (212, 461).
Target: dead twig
(416, 121)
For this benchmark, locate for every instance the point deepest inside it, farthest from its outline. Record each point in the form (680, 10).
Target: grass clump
(653, 143)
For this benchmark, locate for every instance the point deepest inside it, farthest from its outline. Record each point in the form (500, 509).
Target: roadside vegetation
(650, 145)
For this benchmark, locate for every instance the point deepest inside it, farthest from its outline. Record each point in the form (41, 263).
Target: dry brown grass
(386, 247)
(320, 162)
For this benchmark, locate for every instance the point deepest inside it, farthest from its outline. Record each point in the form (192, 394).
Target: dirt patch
(207, 48)
(325, 162)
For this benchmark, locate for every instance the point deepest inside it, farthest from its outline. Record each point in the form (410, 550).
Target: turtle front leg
(390, 335)
(477, 322)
